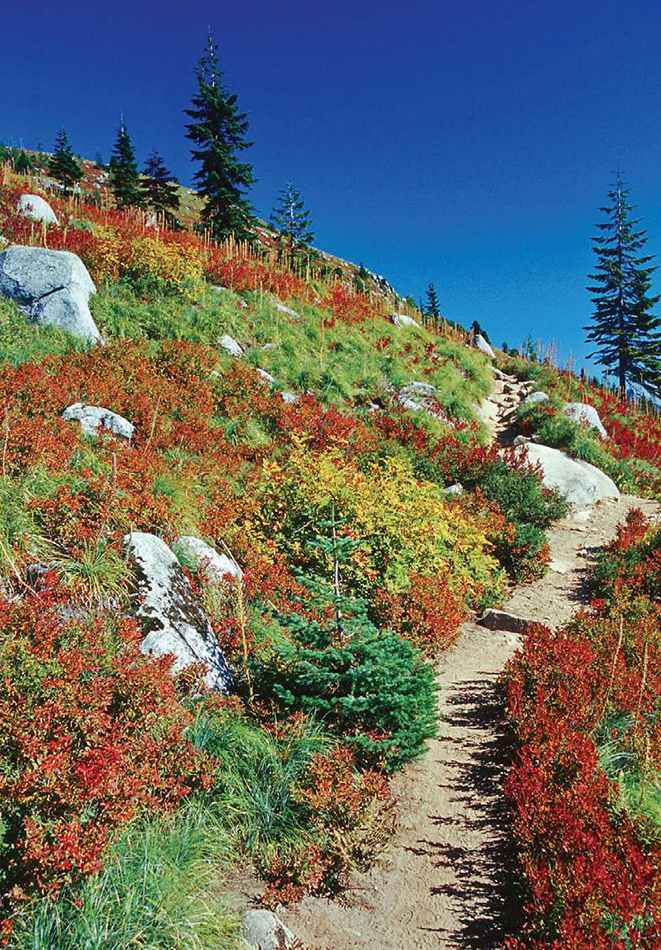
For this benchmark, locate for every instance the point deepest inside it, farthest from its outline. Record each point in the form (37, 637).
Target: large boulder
(587, 415)
(214, 566)
(50, 287)
(173, 621)
(93, 418)
(403, 320)
(264, 931)
(581, 484)
(36, 209)
(484, 347)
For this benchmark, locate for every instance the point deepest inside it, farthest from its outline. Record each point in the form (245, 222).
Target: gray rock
(93, 418)
(534, 398)
(521, 440)
(36, 208)
(403, 320)
(504, 620)
(213, 566)
(265, 376)
(484, 347)
(417, 397)
(581, 484)
(50, 287)
(173, 621)
(587, 415)
(283, 308)
(265, 931)
(455, 490)
(230, 344)
(289, 397)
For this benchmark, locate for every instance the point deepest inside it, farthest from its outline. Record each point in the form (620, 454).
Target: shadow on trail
(483, 892)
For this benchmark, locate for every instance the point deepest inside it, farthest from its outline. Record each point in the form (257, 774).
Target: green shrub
(522, 496)
(525, 557)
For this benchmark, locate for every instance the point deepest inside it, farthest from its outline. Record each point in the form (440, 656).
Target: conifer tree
(23, 163)
(291, 218)
(159, 188)
(125, 181)
(218, 132)
(431, 306)
(63, 165)
(624, 330)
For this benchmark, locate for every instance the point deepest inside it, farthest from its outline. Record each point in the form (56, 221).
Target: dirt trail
(443, 882)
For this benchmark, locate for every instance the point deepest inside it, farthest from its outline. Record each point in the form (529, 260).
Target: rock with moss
(50, 287)
(171, 618)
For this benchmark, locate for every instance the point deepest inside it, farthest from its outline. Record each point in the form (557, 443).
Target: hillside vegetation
(127, 794)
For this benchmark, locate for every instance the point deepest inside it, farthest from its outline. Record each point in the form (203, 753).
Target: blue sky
(466, 144)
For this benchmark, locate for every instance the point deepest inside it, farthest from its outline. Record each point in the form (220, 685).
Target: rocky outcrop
(172, 620)
(581, 484)
(36, 208)
(215, 567)
(93, 418)
(417, 396)
(263, 930)
(51, 287)
(585, 414)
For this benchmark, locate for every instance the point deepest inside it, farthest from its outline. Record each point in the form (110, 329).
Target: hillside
(246, 503)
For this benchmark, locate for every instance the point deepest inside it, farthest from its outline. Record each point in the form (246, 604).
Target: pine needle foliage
(160, 192)
(124, 175)
(63, 165)
(218, 132)
(624, 330)
(291, 218)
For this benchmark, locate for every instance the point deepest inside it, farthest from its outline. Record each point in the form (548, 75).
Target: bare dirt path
(443, 882)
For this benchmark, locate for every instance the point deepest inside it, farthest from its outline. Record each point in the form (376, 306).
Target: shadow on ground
(483, 895)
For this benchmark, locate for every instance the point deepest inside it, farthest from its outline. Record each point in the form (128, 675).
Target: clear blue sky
(469, 144)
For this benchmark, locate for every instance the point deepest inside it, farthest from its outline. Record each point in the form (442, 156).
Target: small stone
(229, 344)
(283, 308)
(265, 376)
(494, 619)
(455, 490)
(265, 931)
(289, 397)
(403, 320)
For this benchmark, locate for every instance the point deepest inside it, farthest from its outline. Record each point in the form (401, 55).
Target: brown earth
(445, 880)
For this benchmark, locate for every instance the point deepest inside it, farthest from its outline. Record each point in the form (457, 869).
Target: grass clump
(157, 891)
(23, 342)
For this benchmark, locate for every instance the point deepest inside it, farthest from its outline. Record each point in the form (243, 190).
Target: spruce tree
(125, 181)
(63, 165)
(159, 188)
(624, 329)
(291, 218)
(23, 163)
(218, 132)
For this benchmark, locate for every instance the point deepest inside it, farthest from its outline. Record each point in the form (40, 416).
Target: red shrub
(90, 731)
(428, 614)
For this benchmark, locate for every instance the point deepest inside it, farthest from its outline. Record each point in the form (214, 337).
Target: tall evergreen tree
(624, 329)
(291, 218)
(63, 165)
(125, 181)
(23, 163)
(218, 132)
(159, 188)
(432, 308)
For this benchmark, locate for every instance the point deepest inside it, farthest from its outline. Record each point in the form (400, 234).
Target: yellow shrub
(169, 265)
(405, 524)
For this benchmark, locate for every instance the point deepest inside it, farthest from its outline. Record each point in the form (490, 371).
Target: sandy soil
(444, 881)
